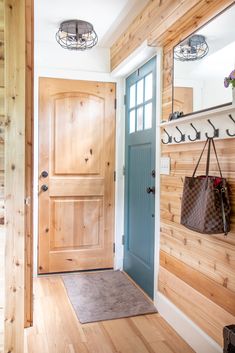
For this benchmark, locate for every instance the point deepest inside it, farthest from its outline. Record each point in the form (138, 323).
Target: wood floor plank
(56, 328)
(97, 341)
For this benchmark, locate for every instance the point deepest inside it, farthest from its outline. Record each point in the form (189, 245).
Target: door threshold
(72, 272)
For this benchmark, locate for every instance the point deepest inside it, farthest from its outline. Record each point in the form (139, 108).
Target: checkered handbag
(205, 204)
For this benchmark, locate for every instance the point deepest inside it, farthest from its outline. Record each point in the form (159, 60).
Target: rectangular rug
(105, 295)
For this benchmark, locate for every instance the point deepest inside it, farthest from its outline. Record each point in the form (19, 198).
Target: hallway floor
(57, 330)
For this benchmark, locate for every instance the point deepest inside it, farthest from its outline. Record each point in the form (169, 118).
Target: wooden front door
(76, 175)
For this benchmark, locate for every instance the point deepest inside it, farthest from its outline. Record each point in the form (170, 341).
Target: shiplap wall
(197, 272)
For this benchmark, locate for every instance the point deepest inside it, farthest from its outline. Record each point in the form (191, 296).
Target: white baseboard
(191, 333)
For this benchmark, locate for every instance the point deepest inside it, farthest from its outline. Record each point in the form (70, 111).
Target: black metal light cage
(194, 48)
(76, 35)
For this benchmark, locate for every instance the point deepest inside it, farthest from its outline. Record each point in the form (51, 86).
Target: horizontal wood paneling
(154, 14)
(185, 21)
(205, 313)
(206, 263)
(162, 22)
(220, 295)
(200, 258)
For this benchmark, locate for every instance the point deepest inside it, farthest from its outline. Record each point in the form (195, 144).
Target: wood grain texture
(29, 13)
(185, 21)
(2, 285)
(15, 85)
(161, 22)
(206, 263)
(58, 330)
(220, 295)
(77, 141)
(205, 313)
(2, 113)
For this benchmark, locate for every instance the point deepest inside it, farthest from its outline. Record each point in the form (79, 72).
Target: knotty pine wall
(1, 112)
(197, 272)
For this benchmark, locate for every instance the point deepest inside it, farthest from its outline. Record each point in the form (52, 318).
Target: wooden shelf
(202, 115)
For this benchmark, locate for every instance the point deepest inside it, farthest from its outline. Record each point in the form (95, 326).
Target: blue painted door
(140, 175)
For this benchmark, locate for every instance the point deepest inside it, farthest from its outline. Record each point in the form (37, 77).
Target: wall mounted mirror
(201, 62)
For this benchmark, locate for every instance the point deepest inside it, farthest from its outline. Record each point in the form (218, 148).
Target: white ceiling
(109, 17)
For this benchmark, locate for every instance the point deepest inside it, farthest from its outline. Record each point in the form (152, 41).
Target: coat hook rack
(182, 137)
(216, 131)
(227, 130)
(169, 138)
(198, 134)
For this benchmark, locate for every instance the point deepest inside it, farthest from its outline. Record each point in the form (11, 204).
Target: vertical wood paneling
(2, 89)
(15, 174)
(29, 164)
(18, 109)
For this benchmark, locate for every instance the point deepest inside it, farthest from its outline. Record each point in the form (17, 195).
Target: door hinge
(124, 99)
(114, 248)
(124, 170)
(123, 239)
(115, 103)
(114, 175)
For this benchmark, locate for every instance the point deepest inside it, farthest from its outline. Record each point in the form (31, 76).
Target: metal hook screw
(198, 134)
(182, 136)
(216, 131)
(227, 130)
(169, 138)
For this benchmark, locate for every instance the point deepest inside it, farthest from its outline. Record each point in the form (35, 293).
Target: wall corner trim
(185, 327)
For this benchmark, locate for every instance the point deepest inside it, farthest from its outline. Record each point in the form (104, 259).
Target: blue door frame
(140, 143)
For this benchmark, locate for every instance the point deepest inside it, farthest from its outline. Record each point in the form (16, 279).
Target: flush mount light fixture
(193, 48)
(76, 35)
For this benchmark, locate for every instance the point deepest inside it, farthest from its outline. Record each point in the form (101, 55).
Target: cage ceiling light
(194, 48)
(76, 35)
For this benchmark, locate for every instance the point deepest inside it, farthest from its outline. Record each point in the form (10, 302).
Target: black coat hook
(198, 134)
(227, 130)
(216, 131)
(182, 138)
(169, 138)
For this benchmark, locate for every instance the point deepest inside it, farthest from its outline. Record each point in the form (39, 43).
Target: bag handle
(199, 160)
(210, 139)
(217, 159)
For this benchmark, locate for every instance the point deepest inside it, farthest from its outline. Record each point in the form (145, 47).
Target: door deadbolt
(44, 187)
(44, 174)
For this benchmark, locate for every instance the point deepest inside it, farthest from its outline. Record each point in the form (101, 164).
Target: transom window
(141, 104)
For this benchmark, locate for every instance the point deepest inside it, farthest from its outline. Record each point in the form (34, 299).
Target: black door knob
(44, 174)
(44, 187)
(150, 190)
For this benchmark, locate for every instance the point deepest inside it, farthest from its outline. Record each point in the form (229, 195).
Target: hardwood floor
(57, 329)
